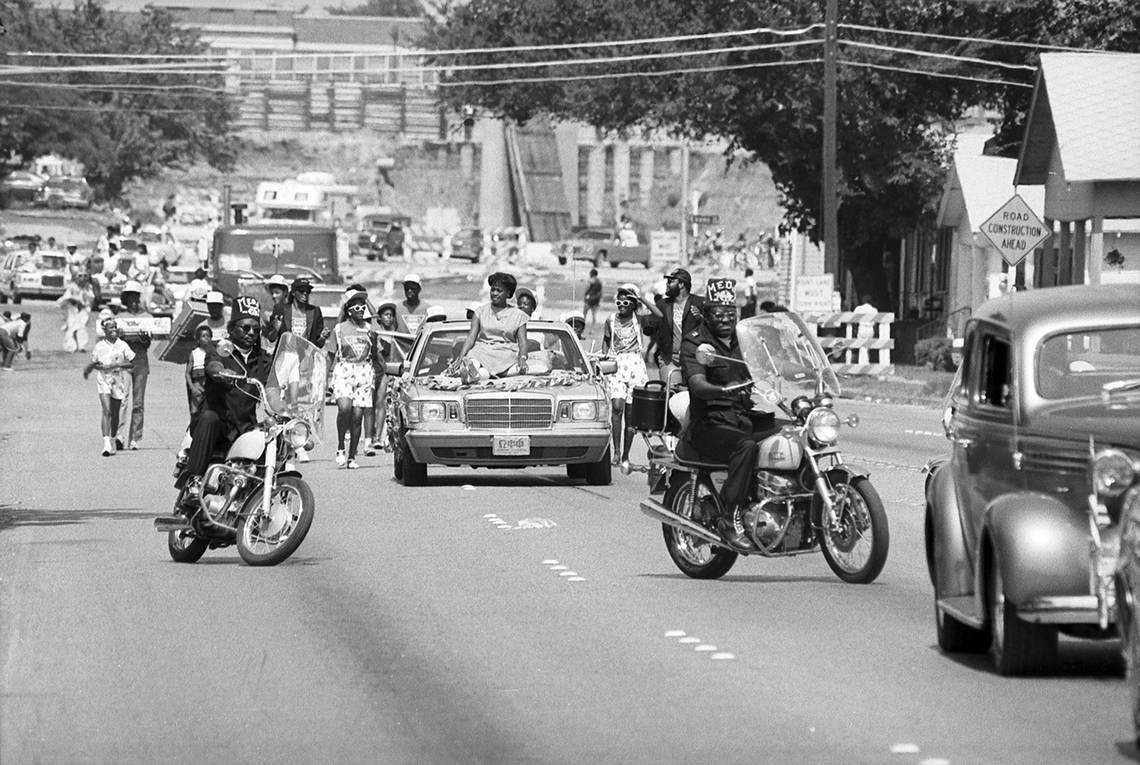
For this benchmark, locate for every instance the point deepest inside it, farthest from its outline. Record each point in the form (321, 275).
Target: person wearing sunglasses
(623, 337)
(677, 315)
(357, 362)
(228, 408)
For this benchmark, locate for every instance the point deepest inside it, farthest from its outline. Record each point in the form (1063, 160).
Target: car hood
(1089, 416)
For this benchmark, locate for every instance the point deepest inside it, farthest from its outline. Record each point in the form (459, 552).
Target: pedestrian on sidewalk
(76, 302)
(111, 360)
(593, 297)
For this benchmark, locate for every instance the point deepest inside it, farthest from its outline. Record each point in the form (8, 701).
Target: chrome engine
(220, 485)
(774, 522)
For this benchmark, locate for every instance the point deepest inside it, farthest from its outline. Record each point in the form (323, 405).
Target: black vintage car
(1016, 551)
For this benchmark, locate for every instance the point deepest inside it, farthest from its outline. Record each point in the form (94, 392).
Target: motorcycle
(252, 495)
(805, 497)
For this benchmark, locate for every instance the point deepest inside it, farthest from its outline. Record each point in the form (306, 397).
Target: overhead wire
(979, 40)
(934, 54)
(626, 75)
(928, 73)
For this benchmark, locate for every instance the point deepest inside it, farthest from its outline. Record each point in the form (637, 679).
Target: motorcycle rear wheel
(185, 548)
(695, 557)
(267, 541)
(856, 548)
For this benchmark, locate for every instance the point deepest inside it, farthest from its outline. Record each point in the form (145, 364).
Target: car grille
(1056, 462)
(515, 412)
(52, 281)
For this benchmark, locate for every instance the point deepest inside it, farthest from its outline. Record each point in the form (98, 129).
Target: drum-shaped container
(648, 411)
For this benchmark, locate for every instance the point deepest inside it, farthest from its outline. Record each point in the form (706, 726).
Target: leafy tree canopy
(894, 127)
(122, 117)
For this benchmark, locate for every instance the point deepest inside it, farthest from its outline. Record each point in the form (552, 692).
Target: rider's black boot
(731, 529)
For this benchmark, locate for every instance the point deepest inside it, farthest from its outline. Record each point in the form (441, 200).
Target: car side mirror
(394, 368)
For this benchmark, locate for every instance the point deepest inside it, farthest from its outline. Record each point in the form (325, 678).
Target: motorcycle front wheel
(266, 540)
(185, 548)
(694, 556)
(855, 545)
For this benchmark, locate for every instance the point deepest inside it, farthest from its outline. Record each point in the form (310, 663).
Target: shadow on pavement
(1075, 658)
(754, 579)
(12, 516)
(1129, 750)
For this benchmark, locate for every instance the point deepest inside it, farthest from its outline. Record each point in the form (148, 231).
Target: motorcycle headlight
(298, 434)
(823, 426)
(1112, 472)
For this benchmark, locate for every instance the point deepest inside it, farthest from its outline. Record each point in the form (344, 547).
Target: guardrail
(864, 335)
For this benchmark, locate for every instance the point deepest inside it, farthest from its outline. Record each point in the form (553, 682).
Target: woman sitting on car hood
(496, 344)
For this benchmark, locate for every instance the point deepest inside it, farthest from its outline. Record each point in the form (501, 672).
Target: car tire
(413, 473)
(600, 473)
(956, 637)
(1017, 647)
(576, 470)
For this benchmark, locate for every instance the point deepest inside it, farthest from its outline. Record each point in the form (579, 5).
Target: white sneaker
(352, 465)
(341, 458)
(302, 455)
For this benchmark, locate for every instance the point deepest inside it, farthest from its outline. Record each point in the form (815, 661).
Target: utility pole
(831, 261)
(685, 203)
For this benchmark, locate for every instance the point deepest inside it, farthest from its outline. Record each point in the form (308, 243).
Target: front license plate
(510, 446)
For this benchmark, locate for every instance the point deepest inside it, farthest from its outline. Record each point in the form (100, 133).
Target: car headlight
(580, 411)
(823, 426)
(434, 411)
(1112, 472)
(298, 433)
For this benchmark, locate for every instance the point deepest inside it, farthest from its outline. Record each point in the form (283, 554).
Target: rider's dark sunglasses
(722, 315)
(246, 327)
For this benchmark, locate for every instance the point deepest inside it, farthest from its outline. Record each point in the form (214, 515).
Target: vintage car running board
(962, 609)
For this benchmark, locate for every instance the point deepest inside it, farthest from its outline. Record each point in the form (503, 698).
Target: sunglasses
(246, 327)
(623, 303)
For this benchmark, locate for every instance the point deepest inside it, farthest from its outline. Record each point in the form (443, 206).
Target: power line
(932, 54)
(982, 40)
(460, 51)
(625, 75)
(116, 69)
(929, 73)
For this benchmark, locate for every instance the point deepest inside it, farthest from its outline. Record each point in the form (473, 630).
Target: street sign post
(1015, 230)
(704, 220)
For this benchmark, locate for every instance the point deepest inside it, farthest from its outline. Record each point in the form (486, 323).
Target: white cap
(277, 280)
(568, 315)
(214, 296)
(132, 286)
(631, 288)
(434, 310)
(413, 278)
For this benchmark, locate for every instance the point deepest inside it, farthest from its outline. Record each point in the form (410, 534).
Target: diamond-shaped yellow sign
(1015, 230)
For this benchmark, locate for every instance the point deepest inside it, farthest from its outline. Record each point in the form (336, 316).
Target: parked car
(25, 274)
(1115, 477)
(599, 246)
(64, 191)
(1016, 551)
(467, 243)
(559, 415)
(372, 237)
(20, 185)
(159, 244)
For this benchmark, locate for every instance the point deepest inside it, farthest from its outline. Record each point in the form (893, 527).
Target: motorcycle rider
(724, 426)
(229, 408)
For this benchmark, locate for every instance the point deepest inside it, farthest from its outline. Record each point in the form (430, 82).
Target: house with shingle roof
(1082, 146)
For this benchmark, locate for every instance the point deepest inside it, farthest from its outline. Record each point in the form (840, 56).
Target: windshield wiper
(1119, 386)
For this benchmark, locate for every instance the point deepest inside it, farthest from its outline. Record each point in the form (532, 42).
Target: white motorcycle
(252, 495)
(805, 497)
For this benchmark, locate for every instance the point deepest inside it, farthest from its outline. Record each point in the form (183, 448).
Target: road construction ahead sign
(1015, 230)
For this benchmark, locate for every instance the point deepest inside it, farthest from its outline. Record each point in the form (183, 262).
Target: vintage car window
(1077, 364)
(994, 385)
(439, 351)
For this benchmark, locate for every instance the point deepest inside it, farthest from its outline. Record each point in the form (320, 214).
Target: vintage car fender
(947, 558)
(1042, 546)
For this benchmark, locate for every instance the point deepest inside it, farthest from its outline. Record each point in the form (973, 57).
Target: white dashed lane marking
(563, 571)
(924, 433)
(699, 646)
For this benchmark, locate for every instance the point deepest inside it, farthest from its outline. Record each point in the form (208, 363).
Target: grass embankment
(908, 385)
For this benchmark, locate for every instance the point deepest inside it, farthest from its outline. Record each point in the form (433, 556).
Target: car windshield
(296, 383)
(56, 262)
(549, 349)
(1076, 364)
(269, 253)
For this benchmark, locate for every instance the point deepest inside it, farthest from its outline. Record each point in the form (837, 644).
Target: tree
(131, 114)
(895, 128)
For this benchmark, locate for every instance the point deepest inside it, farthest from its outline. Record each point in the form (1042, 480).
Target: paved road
(489, 617)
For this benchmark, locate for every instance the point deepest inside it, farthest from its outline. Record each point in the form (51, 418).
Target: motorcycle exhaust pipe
(171, 523)
(659, 512)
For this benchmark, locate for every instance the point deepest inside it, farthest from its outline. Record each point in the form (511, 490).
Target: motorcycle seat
(687, 456)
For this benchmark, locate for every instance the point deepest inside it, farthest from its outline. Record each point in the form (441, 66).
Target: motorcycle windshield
(780, 348)
(297, 379)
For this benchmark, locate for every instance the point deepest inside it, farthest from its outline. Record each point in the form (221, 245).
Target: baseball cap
(132, 286)
(277, 280)
(215, 297)
(570, 316)
(680, 275)
(385, 306)
(412, 279)
(302, 284)
(435, 313)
